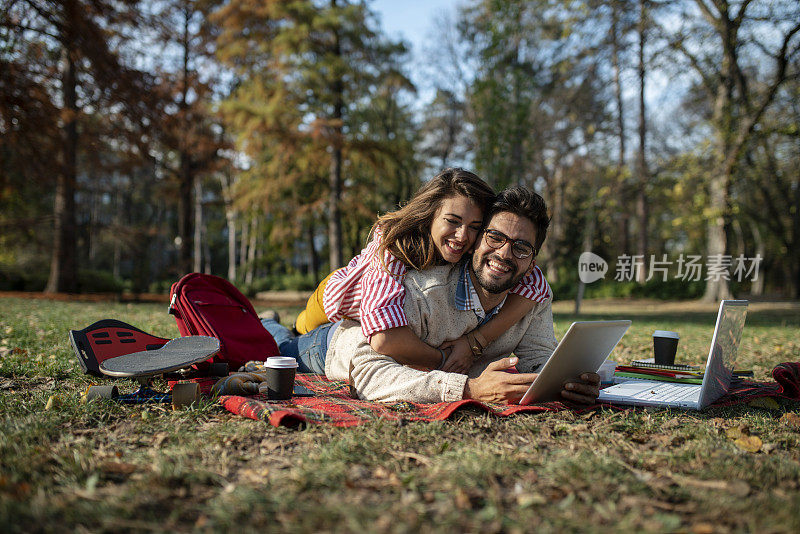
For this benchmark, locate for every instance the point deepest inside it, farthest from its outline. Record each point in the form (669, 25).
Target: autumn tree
(68, 55)
(741, 53)
(28, 129)
(302, 68)
(190, 137)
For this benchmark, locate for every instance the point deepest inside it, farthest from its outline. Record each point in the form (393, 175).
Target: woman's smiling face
(455, 227)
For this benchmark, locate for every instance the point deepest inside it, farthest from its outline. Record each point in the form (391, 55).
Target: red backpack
(206, 305)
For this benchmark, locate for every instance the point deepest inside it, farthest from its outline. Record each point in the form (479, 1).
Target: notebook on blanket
(717, 377)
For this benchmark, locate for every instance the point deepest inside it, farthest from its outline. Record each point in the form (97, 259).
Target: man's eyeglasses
(520, 248)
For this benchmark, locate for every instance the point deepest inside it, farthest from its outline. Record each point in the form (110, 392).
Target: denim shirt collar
(467, 297)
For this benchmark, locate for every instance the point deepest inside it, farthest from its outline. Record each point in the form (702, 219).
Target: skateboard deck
(107, 339)
(179, 353)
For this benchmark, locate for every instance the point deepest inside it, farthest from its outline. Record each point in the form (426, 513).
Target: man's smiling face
(497, 269)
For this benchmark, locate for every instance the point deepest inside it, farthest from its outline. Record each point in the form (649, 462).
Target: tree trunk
(520, 119)
(313, 257)
(63, 270)
(206, 251)
(244, 239)
(185, 216)
(335, 177)
(793, 258)
(642, 210)
(117, 223)
(186, 179)
(92, 227)
(757, 286)
(230, 219)
(623, 215)
(197, 255)
(588, 238)
(556, 225)
(334, 212)
(717, 288)
(251, 252)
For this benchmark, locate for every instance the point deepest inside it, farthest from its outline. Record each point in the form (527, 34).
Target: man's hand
(459, 355)
(495, 385)
(584, 391)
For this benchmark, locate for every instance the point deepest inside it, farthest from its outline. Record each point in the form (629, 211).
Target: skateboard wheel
(218, 369)
(101, 392)
(185, 394)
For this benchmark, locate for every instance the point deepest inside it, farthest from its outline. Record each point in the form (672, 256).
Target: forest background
(259, 139)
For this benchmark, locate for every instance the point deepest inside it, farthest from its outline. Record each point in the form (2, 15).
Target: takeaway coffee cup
(280, 377)
(665, 345)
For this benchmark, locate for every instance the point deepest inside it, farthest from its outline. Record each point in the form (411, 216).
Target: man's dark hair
(523, 202)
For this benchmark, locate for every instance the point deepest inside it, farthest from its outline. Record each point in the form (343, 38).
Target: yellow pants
(314, 314)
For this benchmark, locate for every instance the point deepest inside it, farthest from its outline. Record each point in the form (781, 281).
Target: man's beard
(488, 282)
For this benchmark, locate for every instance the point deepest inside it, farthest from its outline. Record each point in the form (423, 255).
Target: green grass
(106, 467)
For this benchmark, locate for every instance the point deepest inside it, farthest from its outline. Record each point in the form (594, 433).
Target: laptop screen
(722, 355)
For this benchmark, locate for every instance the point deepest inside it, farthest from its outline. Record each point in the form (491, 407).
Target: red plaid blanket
(333, 405)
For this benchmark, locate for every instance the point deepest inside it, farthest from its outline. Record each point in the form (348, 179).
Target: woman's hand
(459, 359)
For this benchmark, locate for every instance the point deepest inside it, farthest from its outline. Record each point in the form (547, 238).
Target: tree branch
(740, 15)
(705, 9)
(753, 117)
(694, 61)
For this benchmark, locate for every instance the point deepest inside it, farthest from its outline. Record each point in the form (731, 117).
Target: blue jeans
(308, 349)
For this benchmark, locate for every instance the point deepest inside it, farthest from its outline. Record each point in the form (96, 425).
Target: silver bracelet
(443, 359)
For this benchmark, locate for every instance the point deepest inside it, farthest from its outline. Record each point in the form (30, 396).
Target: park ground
(97, 467)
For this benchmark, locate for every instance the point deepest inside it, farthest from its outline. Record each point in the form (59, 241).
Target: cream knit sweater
(432, 315)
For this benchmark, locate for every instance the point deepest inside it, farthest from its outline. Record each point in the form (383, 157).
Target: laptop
(717, 377)
(583, 349)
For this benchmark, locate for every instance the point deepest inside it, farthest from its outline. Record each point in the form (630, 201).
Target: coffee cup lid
(280, 362)
(666, 333)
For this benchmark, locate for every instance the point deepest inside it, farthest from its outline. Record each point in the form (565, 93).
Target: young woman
(438, 225)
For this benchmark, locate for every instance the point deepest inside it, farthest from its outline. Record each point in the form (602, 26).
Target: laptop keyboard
(667, 393)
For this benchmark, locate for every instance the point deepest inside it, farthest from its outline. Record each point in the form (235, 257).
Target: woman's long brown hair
(407, 231)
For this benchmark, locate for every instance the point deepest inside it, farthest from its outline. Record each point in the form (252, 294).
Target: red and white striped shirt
(368, 292)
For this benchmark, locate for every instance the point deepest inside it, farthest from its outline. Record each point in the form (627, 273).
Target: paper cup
(280, 372)
(665, 346)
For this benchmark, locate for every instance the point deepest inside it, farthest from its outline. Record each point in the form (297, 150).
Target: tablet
(583, 349)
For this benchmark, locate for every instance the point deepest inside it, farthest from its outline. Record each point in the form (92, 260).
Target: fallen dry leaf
(733, 433)
(525, 500)
(740, 488)
(118, 468)
(769, 447)
(791, 419)
(702, 528)
(767, 403)
(749, 443)
(52, 402)
(18, 491)
(462, 500)
(420, 459)
(159, 439)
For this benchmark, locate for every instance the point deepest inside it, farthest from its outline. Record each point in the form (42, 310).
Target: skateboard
(109, 338)
(144, 366)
